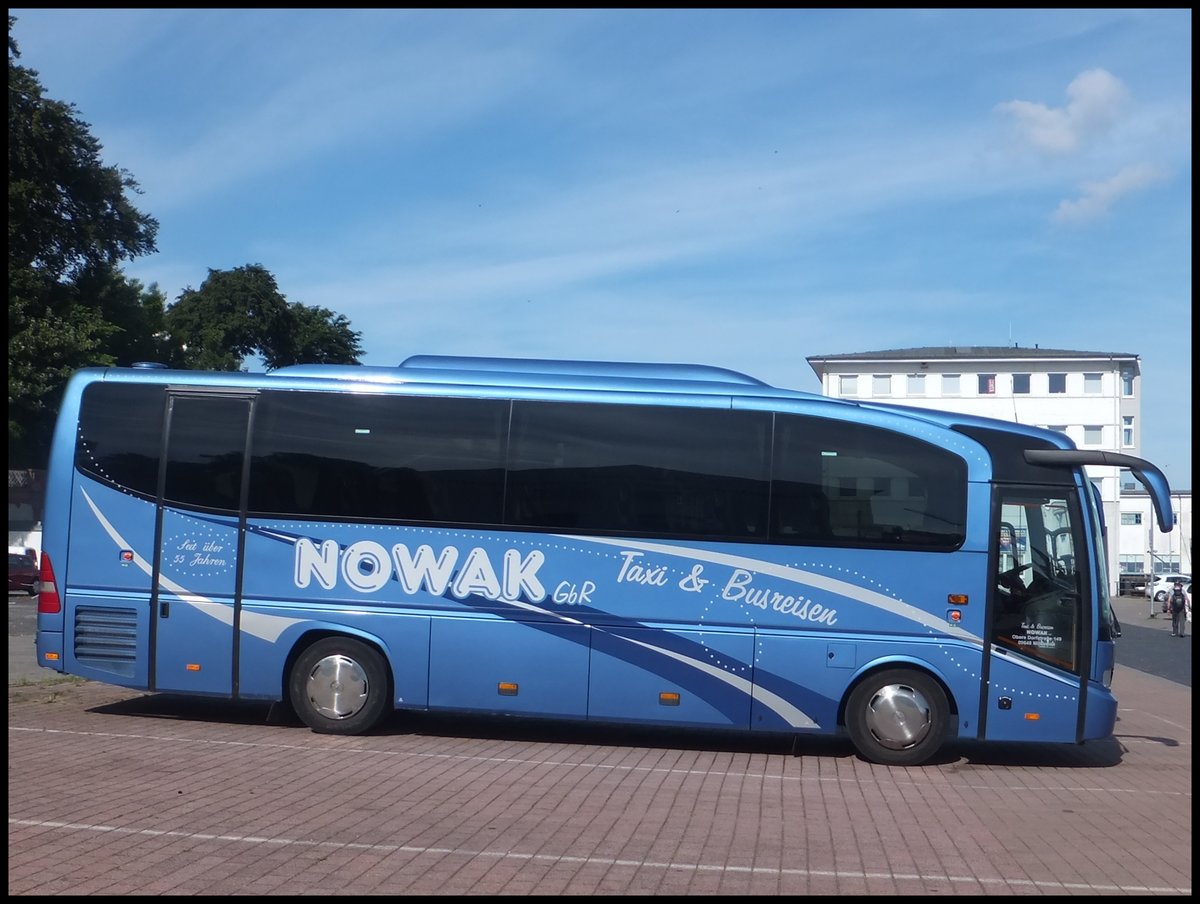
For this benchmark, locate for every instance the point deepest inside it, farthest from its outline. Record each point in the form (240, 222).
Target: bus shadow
(188, 709)
(472, 726)
(956, 755)
(594, 734)
(1102, 754)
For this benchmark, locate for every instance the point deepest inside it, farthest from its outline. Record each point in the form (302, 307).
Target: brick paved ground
(114, 792)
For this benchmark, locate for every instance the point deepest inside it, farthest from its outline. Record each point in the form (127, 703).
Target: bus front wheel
(897, 717)
(339, 685)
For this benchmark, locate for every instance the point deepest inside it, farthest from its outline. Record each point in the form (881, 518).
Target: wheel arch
(895, 662)
(311, 635)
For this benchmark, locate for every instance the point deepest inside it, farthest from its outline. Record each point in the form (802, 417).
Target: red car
(23, 575)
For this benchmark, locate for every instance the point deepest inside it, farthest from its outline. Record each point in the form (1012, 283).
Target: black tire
(897, 717)
(340, 685)
(1160, 597)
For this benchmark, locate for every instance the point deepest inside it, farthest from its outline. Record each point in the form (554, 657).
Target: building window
(1127, 382)
(1058, 383)
(950, 384)
(1128, 481)
(881, 385)
(1133, 564)
(1092, 384)
(1131, 517)
(1020, 384)
(916, 384)
(1093, 435)
(987, 384)
(848, 384)
(1127, 431)
(1061, 428)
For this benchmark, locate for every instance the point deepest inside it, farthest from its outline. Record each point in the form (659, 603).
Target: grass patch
(52, 689)
(49, 681)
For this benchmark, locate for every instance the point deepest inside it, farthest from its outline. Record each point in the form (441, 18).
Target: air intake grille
(105, 637)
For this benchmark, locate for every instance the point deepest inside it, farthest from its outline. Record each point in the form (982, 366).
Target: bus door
(197, 567)
(1039, 634)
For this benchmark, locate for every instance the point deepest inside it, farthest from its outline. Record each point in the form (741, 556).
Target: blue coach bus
(653, 544)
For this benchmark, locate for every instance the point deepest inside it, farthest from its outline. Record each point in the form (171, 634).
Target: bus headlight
(1106, 677)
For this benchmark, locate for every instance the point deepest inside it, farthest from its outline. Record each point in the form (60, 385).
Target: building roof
(961, 352)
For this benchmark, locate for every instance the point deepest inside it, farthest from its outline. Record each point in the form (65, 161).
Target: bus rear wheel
(339, 685)
(897, 717)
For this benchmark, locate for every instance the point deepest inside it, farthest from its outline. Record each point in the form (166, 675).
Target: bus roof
(544, 373)
(647, 371)
(533, 372)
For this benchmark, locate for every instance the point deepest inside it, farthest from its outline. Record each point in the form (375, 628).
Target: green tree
(70, 223)
(310, 334)
(241, 312)
(135, 313)
(218, 325)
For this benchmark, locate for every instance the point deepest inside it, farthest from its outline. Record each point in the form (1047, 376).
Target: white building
(1093, 397)
(1141, 541)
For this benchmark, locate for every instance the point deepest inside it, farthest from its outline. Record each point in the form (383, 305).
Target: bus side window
(801, 512)
(613, 507)
(400, 493)
(272, 490)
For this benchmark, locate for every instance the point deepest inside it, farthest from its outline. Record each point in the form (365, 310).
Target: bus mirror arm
(1146, 474)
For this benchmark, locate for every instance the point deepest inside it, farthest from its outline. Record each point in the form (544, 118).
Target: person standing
(1178, 603)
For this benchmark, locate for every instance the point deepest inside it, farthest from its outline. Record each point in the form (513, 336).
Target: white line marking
(989, 882)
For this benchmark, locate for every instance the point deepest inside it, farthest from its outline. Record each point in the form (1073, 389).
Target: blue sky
(744, 189)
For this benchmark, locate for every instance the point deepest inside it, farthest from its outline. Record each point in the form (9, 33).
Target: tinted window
(205, 452)
(848, 484)
(687, 472)
(120, 435)
(349, 455)
(631, 469)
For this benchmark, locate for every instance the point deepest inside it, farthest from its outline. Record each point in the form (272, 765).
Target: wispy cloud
(396, 99)
(1096, 99)
(1099, 128)
(1098, 197)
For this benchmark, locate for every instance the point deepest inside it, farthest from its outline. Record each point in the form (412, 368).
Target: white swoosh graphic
(785, 710)
(796, 575)
(265, 627)
(789, 713)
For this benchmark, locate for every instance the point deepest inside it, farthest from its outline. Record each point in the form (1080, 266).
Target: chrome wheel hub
(898, 716)
(337, 687)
